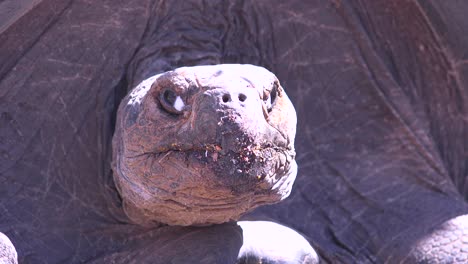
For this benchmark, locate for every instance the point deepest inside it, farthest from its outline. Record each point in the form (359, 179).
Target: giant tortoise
(380, 91)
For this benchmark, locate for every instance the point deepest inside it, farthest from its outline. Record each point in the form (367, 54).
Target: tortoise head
(204, 145)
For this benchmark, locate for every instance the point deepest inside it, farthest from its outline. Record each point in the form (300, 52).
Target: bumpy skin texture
(379, 89)
(448, 243)
(8, 253)
(204, 145)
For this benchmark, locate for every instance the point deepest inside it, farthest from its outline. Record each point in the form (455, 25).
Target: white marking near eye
(268, 102)
(179, 104)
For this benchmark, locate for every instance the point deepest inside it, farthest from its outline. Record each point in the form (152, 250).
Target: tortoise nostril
(226, 98)
(242, 97)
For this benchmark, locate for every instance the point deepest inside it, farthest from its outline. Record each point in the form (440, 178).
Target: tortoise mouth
(206, 184)
(252, 168)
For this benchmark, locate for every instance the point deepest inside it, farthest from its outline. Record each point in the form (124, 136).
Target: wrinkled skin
(204, 145)
(379, 87)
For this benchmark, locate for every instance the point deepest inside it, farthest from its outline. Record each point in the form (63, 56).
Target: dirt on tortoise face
(203, 145)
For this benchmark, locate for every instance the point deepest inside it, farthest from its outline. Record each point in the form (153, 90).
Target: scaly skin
(446, 243)
(8, 253)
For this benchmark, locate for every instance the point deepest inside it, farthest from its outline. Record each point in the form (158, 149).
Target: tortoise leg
(272, 243)
(8, 253)
(447, 243)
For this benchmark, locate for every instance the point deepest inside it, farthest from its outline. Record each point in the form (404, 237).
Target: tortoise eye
(171, 102)
(270, 98)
